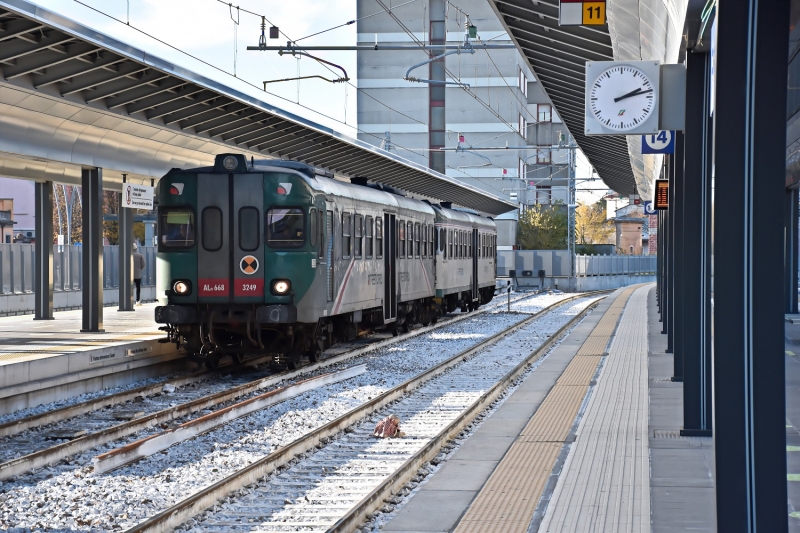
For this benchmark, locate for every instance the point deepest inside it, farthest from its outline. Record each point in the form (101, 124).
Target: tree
(542, 228)
(591, 225)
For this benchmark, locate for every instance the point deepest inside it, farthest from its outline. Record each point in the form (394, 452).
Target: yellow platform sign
(580, 13)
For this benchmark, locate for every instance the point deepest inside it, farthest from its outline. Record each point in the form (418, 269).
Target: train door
(214, 253)
(329, 257)
(475, 245)
(247, 244)
(389, 268)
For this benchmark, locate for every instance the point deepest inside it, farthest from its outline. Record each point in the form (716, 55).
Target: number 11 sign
(581, 13)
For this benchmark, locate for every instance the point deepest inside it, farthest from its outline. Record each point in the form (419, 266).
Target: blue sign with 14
(661, 143)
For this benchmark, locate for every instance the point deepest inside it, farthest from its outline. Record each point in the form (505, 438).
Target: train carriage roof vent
(446, 205)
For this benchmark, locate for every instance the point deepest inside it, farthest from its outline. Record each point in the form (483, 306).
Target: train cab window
(401, 228)
(249, 232)
(320, 229)
(379, 238)
(417, 239)
(358, 235)
(346, 235)
(312, 227)
(368, 232)
(286, 227)
(211, 228)
(177, 228)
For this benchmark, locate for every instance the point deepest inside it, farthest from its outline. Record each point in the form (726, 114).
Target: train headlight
(180, 287)
(281, 286)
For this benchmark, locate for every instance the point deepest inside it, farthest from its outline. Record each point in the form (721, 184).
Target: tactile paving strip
(509, 498)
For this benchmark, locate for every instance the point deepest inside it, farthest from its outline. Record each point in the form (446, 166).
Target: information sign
(662, 142)
(137, 196)
(649, 208)
(662, 194)
(581, 13)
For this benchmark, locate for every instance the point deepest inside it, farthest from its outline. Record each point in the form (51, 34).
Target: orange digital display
(662, 194)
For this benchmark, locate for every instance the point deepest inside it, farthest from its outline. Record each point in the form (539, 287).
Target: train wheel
(292, 360)
(313, 356)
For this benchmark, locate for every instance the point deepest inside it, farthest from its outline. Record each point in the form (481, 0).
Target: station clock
(622, 97)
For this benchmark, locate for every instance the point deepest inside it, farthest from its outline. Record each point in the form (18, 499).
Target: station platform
(47, 360)
(588, 442)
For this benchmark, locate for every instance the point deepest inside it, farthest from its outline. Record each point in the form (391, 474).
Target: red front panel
(248, 287)
(213, 287)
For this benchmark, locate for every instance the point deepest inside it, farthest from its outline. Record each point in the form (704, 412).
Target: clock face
(622, 97)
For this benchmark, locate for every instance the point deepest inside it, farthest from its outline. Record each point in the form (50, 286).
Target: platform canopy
(558, 55)
(72, 97)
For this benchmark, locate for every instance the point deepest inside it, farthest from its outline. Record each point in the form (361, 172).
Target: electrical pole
(571, 209)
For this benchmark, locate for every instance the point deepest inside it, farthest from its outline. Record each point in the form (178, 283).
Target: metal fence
(611, 265)
(17, 261)
(556, 263)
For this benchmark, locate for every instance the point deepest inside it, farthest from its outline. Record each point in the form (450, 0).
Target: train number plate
(212, 287)
(248, 287)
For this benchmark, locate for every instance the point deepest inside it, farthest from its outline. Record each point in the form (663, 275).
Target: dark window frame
(203, 229)
(379, 238)
(358, 236)
(257, 225)
(312, 227)
(268, 232)
(369, 235)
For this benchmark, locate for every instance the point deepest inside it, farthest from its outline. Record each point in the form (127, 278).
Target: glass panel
(379, 238)
(416, 239)
(402, 230)
(358, 233)
(369, 232)
(249, 233)
(177, 228)
(346, 235)
(312, 227)
(285, 227)
(211, 230)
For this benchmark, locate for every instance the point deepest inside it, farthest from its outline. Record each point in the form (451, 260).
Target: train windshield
(177, 228)
(285, 227)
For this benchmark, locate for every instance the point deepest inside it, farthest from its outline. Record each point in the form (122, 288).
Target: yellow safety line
(509, 497)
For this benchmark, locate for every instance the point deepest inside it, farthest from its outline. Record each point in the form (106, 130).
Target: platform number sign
(581, 13)
(662, 142)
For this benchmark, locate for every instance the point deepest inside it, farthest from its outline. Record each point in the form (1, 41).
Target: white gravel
(69, 497)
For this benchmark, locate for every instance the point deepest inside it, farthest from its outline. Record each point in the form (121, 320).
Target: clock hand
(636, 92)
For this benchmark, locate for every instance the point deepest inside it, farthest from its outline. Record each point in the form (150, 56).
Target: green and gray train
(278, 257)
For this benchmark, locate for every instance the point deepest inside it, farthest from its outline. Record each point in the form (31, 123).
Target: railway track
(46, 438)
(335, 487)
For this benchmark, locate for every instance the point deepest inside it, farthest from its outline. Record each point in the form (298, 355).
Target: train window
(450, 242)
(211, 228)
(368, 237)
(379, 238)
(358, 235)
(346, 233)
(424, 240)
(177, 228)
(286, 227)
(417, 239)
(321, 238)
(410, 239)
(431, 241)
(312, 227)
(401, 229)
(249, 232)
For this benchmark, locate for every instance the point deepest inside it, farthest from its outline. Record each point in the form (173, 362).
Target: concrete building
(502, 102)
(21, 196)
(631, 230)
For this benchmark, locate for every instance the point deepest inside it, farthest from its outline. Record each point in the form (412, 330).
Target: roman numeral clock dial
(621, 99)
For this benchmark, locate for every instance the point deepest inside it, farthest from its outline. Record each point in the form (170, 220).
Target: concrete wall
(596, 283)
(23, 304)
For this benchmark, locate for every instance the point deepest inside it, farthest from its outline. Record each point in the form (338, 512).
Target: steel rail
(53, 454)
(195, 504)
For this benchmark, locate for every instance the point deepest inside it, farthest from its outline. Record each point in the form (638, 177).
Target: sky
(208, 32)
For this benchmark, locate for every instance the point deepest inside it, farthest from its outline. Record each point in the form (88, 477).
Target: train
(278, 257)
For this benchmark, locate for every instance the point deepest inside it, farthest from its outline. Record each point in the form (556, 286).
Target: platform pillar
(696, 346)
(790, 250)
(677, 213)
(670, 293)
(750, 166)
(92, 249)
(43, 266)
(437, 91)
(125, 218)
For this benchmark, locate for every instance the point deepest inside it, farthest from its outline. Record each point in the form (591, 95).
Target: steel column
(436, 91)
(696, 257)
(790, 250)
(669, 328)
(92, 249)
(125, 218)
(750, 165)
(43, 265)
(679, 277)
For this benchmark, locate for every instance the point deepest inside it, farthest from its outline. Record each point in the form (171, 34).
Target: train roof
(451, 215)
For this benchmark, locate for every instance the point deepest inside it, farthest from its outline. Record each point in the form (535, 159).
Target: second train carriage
(273, 256)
